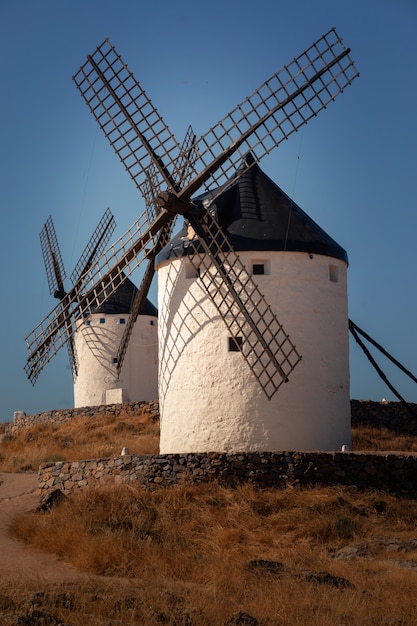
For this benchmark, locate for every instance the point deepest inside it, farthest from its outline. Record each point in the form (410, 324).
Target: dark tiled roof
(121, 300)
(258, 215)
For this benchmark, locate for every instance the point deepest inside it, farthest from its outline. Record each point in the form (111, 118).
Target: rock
(394, 544)
(348, 553)
(38, 618)
(242, 619)
(6, 604)
(404, 563)
(18, 415)
(326, 579)
(64, 599)
(263, 565)
(50, 499)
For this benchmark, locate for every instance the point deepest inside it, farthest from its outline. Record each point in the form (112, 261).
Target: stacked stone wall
(395, 416)
(61, 416)
(394, 472)
(392, 415)
(390, 472)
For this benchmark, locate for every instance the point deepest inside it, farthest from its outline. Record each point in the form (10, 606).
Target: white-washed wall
(210, 399)
(97, 340)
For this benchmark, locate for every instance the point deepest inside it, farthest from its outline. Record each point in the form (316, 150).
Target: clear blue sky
(353, 169)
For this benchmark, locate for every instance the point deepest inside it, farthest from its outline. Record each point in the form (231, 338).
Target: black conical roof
(120, 302)
(258, 215)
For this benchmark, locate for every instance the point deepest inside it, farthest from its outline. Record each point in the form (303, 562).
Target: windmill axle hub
(173, 204)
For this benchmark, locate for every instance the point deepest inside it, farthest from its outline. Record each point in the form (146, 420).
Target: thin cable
(294, 185)
(287, 231)
(84, 192)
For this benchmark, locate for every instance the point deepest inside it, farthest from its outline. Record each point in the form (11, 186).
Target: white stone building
(97, 339)
(209, 398)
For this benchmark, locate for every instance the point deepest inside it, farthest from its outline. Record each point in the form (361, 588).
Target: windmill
(93, 339)
(217, 160)
(56, 274)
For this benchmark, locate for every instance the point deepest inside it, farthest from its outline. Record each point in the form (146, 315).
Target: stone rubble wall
(392, 415)
(390, 472)
(61, 416)
(395, 416)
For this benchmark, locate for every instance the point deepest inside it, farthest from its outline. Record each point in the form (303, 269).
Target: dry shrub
(186, 552)
(104, 436)
(381, 439)
(188, 521)
(82, 438)
(284, 602)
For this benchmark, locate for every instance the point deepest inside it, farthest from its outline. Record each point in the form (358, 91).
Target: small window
(88, 322)
(334, 273)
(102, 320)
(258, 269)
(115, 360)
(152, 322)
(122, 320)
(235, 343)
(191, 271)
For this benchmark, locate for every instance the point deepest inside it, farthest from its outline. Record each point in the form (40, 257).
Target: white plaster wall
(210, 400)
(96, 346)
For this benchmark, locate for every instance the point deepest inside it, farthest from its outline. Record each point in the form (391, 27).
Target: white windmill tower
(210, 399)
(214, 301)
(97, 338)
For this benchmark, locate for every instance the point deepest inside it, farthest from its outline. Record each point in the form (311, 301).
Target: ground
(18, 495)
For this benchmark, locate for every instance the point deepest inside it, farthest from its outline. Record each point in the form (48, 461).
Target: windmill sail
(154, 160)
(54, 267)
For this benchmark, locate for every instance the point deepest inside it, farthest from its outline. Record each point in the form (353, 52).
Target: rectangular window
(115, 359)
(152, 322)
(102, 320)
(259, 267)
(235, 343)
(334, 273)
(122, 320)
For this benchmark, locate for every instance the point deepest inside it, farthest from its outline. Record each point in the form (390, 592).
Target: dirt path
(18, 495)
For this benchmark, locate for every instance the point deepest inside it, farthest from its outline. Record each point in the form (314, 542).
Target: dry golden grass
(380, 439)
(82, 438)
(104, 436)
(195, 555)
